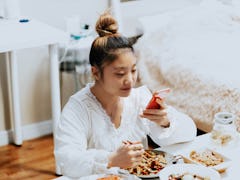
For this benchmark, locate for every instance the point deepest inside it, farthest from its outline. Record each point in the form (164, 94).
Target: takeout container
(220, 167)
(224, 129)
(224, 117)
(193, 169)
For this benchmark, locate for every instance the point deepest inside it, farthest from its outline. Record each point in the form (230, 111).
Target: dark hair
(106, 48)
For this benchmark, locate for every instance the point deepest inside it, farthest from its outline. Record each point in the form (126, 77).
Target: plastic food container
(224, 130)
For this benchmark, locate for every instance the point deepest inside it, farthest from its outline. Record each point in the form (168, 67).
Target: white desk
(14, 36)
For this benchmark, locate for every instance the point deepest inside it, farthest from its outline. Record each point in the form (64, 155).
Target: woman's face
(120, 76)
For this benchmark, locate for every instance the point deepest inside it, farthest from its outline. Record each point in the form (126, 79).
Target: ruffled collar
(103, 111)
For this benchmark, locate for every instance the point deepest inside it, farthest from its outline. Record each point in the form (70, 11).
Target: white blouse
(85, 135)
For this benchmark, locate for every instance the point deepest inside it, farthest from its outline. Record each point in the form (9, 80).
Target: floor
(33, 160)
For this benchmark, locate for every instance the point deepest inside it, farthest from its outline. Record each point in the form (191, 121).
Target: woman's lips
(126, 89)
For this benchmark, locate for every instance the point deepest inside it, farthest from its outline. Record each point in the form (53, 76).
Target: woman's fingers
(134, 142)
(155, 112)
(160, 120)
(161, 103)
(127, 142)
(134, 152)
(136, 147)
(137, 155)
(154, 117)
(138, 158)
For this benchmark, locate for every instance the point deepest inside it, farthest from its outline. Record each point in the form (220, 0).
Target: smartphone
(152, 104)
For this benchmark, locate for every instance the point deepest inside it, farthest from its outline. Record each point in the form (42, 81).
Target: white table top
(83, 43)
(232, 152)
(15, 35)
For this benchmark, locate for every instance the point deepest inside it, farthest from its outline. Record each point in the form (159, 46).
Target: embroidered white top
(85, 135)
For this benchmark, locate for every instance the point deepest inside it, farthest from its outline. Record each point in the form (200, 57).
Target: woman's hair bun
(106, 25)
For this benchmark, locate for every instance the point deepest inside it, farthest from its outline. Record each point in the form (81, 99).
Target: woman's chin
(125, 93)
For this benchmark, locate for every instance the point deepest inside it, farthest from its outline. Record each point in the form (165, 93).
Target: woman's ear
(95, 73)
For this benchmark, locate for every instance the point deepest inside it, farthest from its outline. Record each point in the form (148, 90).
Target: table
(74, 58)
(15, 35)
(232, 151)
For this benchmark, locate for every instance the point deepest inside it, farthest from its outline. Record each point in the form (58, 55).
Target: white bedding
(196, 52)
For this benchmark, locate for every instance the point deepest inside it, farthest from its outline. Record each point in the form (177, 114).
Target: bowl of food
(153, 161)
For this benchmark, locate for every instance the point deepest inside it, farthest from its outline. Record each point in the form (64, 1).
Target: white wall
(134, 9)
(34, 64)
(54, 11)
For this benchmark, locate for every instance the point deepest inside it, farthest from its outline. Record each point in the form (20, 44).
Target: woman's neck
(103, 97)
(112, 104)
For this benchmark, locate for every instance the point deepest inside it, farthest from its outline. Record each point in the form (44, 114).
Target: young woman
(105, 125)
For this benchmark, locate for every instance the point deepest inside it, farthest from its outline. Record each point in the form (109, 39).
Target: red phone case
(161, 95)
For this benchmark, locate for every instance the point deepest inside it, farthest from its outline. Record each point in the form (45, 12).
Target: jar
(224, 130)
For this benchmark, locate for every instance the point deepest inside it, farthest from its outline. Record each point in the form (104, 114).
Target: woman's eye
(134, 70)
(120, 74)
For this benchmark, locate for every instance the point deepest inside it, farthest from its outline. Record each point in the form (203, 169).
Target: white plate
(189, 168)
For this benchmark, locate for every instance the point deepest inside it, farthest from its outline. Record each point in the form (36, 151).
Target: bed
(193, 48)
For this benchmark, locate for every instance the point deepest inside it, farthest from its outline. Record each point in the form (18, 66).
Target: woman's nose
(129, 79)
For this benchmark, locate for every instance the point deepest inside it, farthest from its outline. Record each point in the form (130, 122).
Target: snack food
(221, 138)
(207, 157)
(110, 177)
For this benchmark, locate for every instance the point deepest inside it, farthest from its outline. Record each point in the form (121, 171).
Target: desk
(14, 36)
(74, 58)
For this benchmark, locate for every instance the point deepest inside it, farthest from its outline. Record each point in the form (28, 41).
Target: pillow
(206, 15)
(152, 23)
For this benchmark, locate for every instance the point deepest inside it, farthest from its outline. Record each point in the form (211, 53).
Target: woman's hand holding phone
(156, 109)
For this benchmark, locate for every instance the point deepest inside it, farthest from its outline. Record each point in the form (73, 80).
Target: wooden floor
(33, 160)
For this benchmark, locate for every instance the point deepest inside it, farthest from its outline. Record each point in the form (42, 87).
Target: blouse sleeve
(181, 129)
(71, 152)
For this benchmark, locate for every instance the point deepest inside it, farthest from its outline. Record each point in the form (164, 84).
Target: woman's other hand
(159, 116)
(128, 155)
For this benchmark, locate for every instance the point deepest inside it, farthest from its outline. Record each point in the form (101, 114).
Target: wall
(34, 64)
(147, 7)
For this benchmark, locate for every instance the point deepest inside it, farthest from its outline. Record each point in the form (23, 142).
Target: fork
(175, 159)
